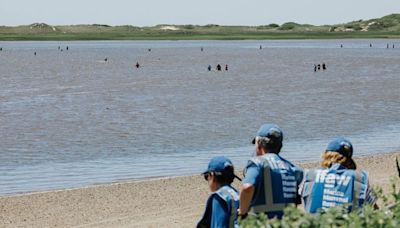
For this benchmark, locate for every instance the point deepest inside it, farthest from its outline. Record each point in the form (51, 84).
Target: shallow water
(69, 119)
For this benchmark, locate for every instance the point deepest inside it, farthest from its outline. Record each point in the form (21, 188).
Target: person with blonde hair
(337, 182)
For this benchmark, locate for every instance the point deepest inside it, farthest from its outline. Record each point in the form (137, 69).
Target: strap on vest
(356, 189)
(232, 216)
(269, 205)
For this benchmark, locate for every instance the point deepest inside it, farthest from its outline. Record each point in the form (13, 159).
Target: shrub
(388, 216)
(288, 26)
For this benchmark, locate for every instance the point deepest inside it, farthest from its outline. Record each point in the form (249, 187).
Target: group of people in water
(319, 66)
(218, 67)
(271, 182)
(370, 45)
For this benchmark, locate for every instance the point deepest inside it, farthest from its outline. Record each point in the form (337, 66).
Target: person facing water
(218, 67)
(209, 67)
(223, 202)
(337, 182)
(270, 182)
(137, 65)
(323, 66)
(226, 67)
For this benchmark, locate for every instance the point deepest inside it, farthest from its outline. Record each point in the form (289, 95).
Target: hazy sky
(224, 12)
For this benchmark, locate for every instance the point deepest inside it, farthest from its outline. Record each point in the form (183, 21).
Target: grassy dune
(385, 27)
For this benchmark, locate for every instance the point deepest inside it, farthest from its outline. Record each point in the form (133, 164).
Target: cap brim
(207, 171)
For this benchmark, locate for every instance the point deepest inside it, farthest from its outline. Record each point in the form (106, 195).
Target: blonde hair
(330, 157)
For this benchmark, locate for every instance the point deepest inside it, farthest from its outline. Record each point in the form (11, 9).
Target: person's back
(338, 182)
(334, 186)
(277, 186)
(270, 182)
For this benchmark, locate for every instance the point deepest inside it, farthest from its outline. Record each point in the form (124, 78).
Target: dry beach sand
(166, 202)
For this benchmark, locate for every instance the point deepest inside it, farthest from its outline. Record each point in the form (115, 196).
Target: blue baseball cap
(341, 145)
(271, 131)
(220, 165)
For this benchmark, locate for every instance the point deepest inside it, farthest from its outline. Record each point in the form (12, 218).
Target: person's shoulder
(292, 165)
(254, 161)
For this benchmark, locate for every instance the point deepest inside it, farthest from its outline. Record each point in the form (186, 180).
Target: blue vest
(231, 197)
(337, 185)
(278, 185)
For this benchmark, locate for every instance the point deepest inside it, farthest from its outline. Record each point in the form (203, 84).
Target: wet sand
(164, 202)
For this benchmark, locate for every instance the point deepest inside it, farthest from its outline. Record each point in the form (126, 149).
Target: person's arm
(246, 194)
(248, 187)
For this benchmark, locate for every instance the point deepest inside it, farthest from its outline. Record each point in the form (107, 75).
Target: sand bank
(166, 202)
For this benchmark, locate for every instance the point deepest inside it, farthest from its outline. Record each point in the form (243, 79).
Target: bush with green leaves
(388, 216)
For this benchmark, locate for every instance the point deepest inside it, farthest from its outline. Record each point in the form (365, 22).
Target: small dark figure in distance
(260, 47)
(323, 66)
(1, 49)
(341, 46)
(149, 49)
(34, 53)
(319, 66)
(105, 60)
(387, 46)
(226, 67)
(370, 45)
(137, 65)
(67, 48)
(202, 49)
(393, 46)
(59, 47)
(315, 67)
(209, 67)
(218, 67)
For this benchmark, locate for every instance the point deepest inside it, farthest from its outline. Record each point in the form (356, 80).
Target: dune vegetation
(385, 27)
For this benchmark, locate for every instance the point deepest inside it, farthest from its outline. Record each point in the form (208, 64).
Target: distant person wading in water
(218, 67)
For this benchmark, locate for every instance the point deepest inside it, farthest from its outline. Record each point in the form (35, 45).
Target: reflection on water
(69, 119)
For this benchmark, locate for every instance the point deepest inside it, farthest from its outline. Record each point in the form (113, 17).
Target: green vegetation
(385, 27)
(388, 216)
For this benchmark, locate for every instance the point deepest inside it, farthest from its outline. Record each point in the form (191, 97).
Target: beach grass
(380, 28)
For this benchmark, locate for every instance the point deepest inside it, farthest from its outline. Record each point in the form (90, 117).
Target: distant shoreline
(181, 36)
(387, 27)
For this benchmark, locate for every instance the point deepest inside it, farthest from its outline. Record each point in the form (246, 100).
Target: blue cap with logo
(220, 165)
(341, 145)
(271, 131)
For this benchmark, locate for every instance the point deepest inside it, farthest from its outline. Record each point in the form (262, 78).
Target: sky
(199, 12)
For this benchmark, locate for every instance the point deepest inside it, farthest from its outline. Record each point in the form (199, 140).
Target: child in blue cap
(222, 204)
(337, 182)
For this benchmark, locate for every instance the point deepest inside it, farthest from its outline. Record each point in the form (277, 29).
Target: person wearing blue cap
(337, 182)
(271, 182)
(222, 204)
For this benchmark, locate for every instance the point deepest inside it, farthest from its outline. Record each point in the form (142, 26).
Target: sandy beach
(164, 202)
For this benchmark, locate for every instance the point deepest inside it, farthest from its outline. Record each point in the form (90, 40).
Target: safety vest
(231, 197)
(335, 186)
(278, 187)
